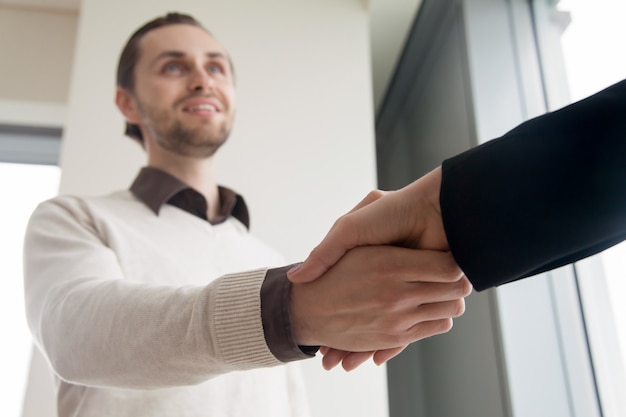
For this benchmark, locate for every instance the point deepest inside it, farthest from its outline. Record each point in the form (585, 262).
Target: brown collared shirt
(155, 188)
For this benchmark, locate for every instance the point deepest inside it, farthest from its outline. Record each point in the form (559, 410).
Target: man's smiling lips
(201, 107)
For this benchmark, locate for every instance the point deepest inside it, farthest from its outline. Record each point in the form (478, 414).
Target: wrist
(301, 328)
(422, 203)
(277, 325)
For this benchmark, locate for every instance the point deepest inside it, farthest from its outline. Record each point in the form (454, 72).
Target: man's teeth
(209, 107)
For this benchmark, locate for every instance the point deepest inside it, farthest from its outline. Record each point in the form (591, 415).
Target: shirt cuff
(275, 293)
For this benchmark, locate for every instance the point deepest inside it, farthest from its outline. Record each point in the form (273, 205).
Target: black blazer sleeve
(547, 193)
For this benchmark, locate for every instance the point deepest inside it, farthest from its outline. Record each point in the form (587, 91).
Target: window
(591, 45)
(24, 185)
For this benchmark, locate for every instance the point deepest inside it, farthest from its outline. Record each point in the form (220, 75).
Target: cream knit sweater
(146, 315)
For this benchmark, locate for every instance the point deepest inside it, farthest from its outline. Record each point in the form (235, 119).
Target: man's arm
(549, 192)
(98, 327)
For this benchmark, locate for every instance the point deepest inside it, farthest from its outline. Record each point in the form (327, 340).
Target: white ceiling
(390, 21)
(58, 5)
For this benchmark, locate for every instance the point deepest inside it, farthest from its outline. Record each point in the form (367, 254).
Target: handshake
(382, 278)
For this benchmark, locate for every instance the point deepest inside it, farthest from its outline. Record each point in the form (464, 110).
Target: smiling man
(179, 65)
(138, 300)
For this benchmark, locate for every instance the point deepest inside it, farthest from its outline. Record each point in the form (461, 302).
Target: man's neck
(197, 173)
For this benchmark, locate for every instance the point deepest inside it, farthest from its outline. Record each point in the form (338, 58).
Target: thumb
(320, 260)
(329, 251)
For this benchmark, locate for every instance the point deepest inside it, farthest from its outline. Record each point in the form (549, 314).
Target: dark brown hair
(130, 55)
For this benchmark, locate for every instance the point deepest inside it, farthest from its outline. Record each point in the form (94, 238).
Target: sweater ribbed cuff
(237, 323)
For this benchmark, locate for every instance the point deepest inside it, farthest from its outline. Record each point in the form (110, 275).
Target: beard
(171, 134)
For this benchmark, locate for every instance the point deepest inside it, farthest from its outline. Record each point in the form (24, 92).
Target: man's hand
(379, 297)
(409, 217)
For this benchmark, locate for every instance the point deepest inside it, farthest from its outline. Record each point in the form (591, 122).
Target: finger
(382, 356)
(345, 234)
(355, 359)
(418, 265)
(434, 295)
(369, 198)
(324, 256)
(401, 306)
(336, 243)
(429, 328)
(317, 263)
(427, 320)
(332, 358)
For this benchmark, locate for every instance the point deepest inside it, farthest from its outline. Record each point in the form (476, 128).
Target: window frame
(532, 332)
(588, 286)
(30, 144)
(31, 133)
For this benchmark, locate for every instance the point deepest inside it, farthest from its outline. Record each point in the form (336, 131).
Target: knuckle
(458, 308)
(459, 289)
(374, 195)
(440, 326)
(430, 328)
(383, 269)
(466, 287)
(404, 338)
(446, 325)
(451, 269)
(396, 325)
(393, 303)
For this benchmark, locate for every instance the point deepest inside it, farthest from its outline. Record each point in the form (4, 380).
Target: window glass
(593, 45)
(614, 265)
(592, 50)
(23, 187)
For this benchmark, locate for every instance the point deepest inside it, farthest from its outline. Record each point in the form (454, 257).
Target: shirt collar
(155, 188)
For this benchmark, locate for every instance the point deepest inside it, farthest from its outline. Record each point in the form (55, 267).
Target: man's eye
(173, 67)
(215, 69)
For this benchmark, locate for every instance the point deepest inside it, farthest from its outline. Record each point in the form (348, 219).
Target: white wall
(302, 151)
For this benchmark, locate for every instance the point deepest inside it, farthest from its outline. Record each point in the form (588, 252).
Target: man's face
(184, 90)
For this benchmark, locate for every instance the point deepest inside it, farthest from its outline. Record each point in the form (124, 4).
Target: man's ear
(126, 104)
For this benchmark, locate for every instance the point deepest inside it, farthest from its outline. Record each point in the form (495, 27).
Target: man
(547, 193)
(138, 300)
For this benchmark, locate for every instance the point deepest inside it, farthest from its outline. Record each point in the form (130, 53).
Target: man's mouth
(201, 107)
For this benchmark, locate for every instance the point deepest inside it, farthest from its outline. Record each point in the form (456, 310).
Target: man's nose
(200, 80)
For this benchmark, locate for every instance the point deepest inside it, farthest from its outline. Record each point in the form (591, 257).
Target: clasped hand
(378, 298)
(358, 298)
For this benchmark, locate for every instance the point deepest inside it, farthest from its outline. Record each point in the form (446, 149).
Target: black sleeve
(547, 193)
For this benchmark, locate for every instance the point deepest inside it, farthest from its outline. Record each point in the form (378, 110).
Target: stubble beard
(174, 136)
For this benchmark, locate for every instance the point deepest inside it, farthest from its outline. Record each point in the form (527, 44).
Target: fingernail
(294, 269)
